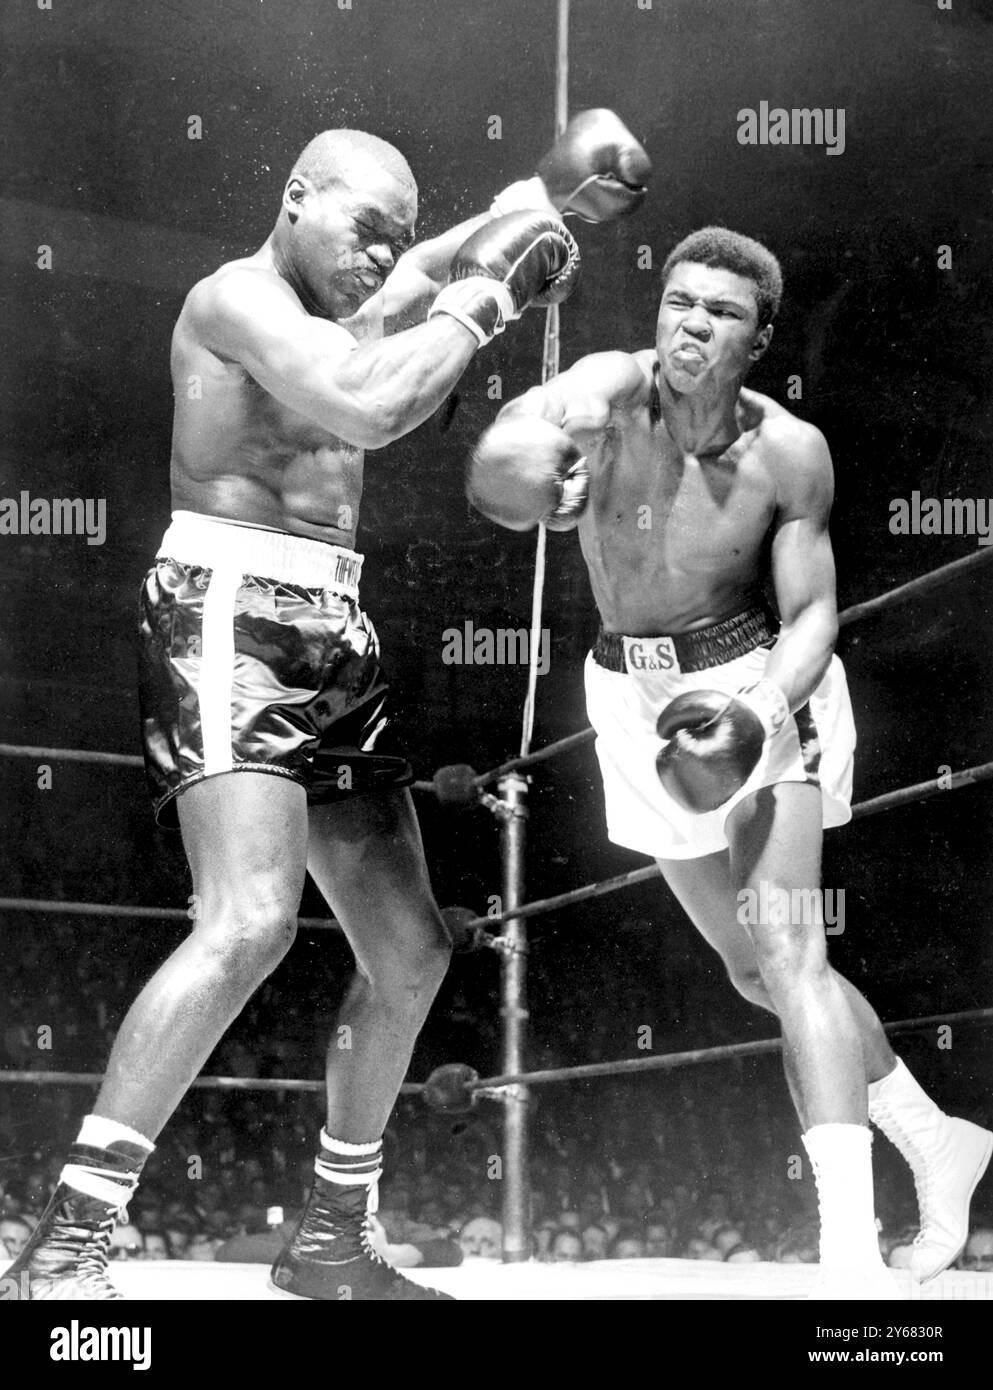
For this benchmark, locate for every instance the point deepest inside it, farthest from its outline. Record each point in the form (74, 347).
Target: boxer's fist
(525, 470)
(521, 259)
(596, 168)
(715, 742)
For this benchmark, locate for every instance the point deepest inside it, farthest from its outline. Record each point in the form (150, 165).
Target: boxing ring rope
(488, 1086)
(468, 923)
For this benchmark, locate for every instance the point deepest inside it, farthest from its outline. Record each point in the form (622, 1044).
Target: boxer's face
(345, 239)
(707, 334)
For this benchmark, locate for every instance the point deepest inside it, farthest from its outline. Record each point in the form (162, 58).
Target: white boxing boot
(947, 1156)
(851, 1266)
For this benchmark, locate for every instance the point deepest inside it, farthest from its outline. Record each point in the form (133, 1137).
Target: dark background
(894, 357)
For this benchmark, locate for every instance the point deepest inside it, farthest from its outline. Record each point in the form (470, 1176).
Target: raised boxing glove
(596, 169)
(521, 259)
(525, 470)
(715, 741)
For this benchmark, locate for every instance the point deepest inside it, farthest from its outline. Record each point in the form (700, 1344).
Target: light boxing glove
(525, 470)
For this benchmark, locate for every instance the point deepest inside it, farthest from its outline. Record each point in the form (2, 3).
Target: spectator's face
(727, 1239)
(747, 1255)
(566, 1248)
(155, 1247)
(126, 1243)
(979, 1251)
(431, 1213)
(482, 1238)
(179, 1240)
(14, 1235)
(201, 1247)
(453, 1197)
(628, 1248)
(658, 1241)
(595, 1243)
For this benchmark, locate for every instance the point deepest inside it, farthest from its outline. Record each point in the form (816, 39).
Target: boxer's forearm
(433, 258)
(387, 388)
(803, 651)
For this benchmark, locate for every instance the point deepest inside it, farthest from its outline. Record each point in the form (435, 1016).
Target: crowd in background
(702, 1163)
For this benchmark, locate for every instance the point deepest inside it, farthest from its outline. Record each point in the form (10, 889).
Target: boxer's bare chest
(239, 452)
(671, 537)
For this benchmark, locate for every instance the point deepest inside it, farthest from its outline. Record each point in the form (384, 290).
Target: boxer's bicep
(803, 568)
(300, 360)
(583, 399)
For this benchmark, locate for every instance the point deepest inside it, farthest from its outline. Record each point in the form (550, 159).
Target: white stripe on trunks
(217, 669)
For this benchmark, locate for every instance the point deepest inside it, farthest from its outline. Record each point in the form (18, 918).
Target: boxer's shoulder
(235, 289)
(617, 378)
(793, 452)
(781, 435)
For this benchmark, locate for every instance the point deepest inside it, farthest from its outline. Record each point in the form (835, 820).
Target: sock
(106, 1161)
(841, 1156)
(898, 1088)
(350, 1165)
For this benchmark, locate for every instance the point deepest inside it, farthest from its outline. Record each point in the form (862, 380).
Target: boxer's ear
(294, 194)
(761, 342)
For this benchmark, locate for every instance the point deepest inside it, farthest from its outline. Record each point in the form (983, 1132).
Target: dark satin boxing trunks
(255, 657)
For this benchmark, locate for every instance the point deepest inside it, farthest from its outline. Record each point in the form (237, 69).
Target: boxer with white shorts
(724, 734)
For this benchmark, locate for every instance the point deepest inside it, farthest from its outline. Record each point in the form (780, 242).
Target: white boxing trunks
(630, 680)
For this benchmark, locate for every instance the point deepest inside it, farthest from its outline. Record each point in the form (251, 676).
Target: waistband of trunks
(216, 544)
(754, 627)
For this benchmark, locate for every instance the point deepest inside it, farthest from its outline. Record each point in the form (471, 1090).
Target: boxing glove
(525, 470)
(521, 259)
(714, 742)
(596, 169)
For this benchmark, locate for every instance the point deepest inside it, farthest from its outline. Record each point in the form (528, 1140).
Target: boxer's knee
(247, 939)
(747, 980)
(788, 957)
(405, 970)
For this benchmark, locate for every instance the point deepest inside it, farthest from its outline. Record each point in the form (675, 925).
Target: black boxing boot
(66, 1257)
(331, 1257)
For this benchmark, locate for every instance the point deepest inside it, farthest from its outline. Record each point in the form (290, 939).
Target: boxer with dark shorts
(256, 673)
(262, 693)
(724, 732)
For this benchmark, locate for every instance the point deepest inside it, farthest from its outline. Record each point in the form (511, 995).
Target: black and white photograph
(496, 522)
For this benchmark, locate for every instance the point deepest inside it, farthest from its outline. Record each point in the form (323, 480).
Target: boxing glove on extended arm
(715, 742)
(525, 470)
(596, 169)
(521, 259)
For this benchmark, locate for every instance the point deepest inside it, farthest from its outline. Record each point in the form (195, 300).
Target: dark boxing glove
(596, 169)
(715, 742)
(525, 470)
(521, 259)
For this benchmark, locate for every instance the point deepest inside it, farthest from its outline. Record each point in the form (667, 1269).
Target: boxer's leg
(245, 835)
(705, 890)
(367, 859)
(775, 842)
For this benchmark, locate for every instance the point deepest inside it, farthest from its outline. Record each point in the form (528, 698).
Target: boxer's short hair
(327, 157)
(722, 249)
